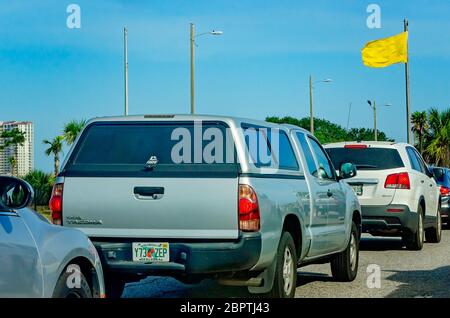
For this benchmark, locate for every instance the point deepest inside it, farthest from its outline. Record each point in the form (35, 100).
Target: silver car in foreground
(239, 200)
(38, 259)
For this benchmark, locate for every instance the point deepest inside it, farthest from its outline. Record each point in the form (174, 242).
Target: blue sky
(260, 66)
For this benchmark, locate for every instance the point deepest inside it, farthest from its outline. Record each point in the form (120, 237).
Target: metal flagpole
(408, 100)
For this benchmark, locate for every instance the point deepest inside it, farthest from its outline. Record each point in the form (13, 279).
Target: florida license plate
(150, 252)
(358, 188)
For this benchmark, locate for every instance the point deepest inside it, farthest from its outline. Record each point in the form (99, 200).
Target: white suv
(396, 190)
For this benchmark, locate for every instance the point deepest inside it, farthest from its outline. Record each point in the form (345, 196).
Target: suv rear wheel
(414, 240)
(434, 234)
(285, 281)
(344, 267)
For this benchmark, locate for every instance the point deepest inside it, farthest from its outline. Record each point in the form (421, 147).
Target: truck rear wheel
(285, 280)
(114, 286)
(344, 267)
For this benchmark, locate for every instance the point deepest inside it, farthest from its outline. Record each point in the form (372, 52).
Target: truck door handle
(148, 192)
(329, 193)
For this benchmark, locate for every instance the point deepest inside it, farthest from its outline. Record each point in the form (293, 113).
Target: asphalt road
(403, 273)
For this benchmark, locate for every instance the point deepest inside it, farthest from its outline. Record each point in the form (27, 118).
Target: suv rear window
(123, 148)
(366, 158)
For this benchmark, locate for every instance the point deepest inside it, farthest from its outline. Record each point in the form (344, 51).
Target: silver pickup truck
(243, 201)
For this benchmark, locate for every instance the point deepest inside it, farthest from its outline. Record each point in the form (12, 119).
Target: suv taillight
(249, 218)
(56, 202)
(444, 191)
(398, 181)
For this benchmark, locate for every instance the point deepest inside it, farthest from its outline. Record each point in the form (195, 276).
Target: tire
(114, 286)
(285, 280)
(414, 239)
(434, 234)
(62, 290)
(344, 266)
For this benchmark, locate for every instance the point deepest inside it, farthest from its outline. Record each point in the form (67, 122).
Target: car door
(431, 189)
(420, 179)
(20, 270)
(318, 200)
(334, 196)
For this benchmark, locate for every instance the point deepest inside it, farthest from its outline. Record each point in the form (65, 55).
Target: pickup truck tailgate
(189, 208)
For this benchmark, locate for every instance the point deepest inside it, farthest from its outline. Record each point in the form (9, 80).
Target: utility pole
(125, 49)
(374, 107)
(408, 100)
(192, 41)
(311, 116)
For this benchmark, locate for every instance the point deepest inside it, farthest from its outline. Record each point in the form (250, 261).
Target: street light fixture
(374, 107)
(192, 42)
(311, 116)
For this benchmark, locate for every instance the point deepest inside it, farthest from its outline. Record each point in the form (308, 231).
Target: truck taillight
(249, 218)
(444, 191)
(56, 202)
(398, 181)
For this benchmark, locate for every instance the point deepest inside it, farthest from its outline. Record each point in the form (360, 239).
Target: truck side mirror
(347, 170)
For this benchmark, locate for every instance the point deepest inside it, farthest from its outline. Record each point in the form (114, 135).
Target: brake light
(355, 146)
(56, 202)
(398, 181)
(444, 191)
(249, 217)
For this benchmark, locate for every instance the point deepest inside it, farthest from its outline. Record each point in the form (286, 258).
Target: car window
(422, 164)
(124, 147)
(260, 147)
(366, 158)
(287, 157)
(325, 170)
(413, 159)
(308, 154)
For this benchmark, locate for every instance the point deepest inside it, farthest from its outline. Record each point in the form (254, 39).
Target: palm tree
(14, 138)
(72, 130)
(13, 165)
(55, 148)
(438, 138)
(42, 184)
(419, 123)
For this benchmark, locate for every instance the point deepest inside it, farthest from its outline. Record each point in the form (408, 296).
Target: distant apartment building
(24, 154)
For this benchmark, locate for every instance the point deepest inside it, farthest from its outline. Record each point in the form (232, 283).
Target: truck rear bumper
(196, 257)
(390, 218)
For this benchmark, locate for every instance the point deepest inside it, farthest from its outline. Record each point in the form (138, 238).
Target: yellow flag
(385, 52)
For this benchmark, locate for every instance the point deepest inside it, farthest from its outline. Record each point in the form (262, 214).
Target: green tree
(15, 138)
(13, 165)
(42, 184)
(72, 130)
(438, 138)
(328, 132)
(55, 149)
(419, 127)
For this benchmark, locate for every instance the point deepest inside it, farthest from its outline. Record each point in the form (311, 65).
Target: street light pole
(125, 51)
(374, 107)
(311, 116)
(311, 87)
(375, 120)
(192, 41)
